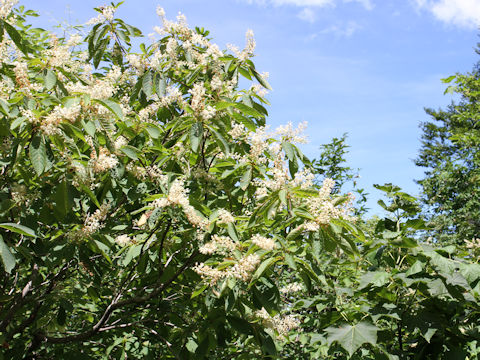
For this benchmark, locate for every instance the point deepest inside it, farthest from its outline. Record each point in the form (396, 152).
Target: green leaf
(282, 195)
(246, 178)
(289, 151)
(160, 85)
(5, 107)
(290, 261)
(293, 234)
(20, 229)
(114, 108)
(16, 37)
(7, 257)
(221, 141)
(90, 194)
(50, 79)
(147, 83)
(223, 105)
(196, 135)
(247, 110)
(260, 79)
(352, 337)
(199, 291)
(153, 131)
(63, 204)
(448, 79)
(375, 278)
(38, 154)
(241, 325)
(130, 151)
(263, 267)
(416, 268)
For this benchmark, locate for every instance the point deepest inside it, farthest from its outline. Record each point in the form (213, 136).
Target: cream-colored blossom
(123, 240)
(104, 161)
(93, 222)
(6, 7)
(225, 217)
(263, 242)
(281, 324)
(244, 269)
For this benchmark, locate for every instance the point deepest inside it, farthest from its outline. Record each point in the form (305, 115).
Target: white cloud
(307, 15)
(344, 31)
(462, 13)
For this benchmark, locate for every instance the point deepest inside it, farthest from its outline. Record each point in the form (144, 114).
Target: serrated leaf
(196, 135)
(63, 204)
(221, 141)
(160, 85)
(38, 154)
(289, 150)
(293, 234)
(50, 79)
(247, 110)
(16, 37)
(147, 83)
(90, 194)
(153, 131)
(263, 267)
(351, 337)
(19, 229)
(7, 257)
(241, 325)
(114, 108)
(130, 151)
(260, 79)
(246, 178)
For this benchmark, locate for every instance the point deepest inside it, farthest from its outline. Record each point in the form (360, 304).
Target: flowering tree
(146, 211)
(145, 208)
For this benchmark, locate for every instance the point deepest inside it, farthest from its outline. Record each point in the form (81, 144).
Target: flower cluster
(281, 324)
(49, 125)
(104, 161)
(93, 222)
(218, 244)
(242, 270)
(323, 209)
(123, 240)
(6, 7)
(473, 244)
(106, 15)
(225, 217)
(263, 242)
(178, 195)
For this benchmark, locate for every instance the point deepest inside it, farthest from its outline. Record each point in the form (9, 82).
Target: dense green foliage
(450, 154)
(146, 212)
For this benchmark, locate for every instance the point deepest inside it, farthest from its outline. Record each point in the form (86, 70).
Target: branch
(19, 300)
(117, 304)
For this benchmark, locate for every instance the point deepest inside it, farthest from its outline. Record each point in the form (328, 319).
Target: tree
(331, 164)
(146, 212)
(450, 153)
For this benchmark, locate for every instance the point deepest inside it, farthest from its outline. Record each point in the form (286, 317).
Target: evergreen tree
(450, 154)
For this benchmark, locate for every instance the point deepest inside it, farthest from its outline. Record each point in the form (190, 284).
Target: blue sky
(366, 67)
